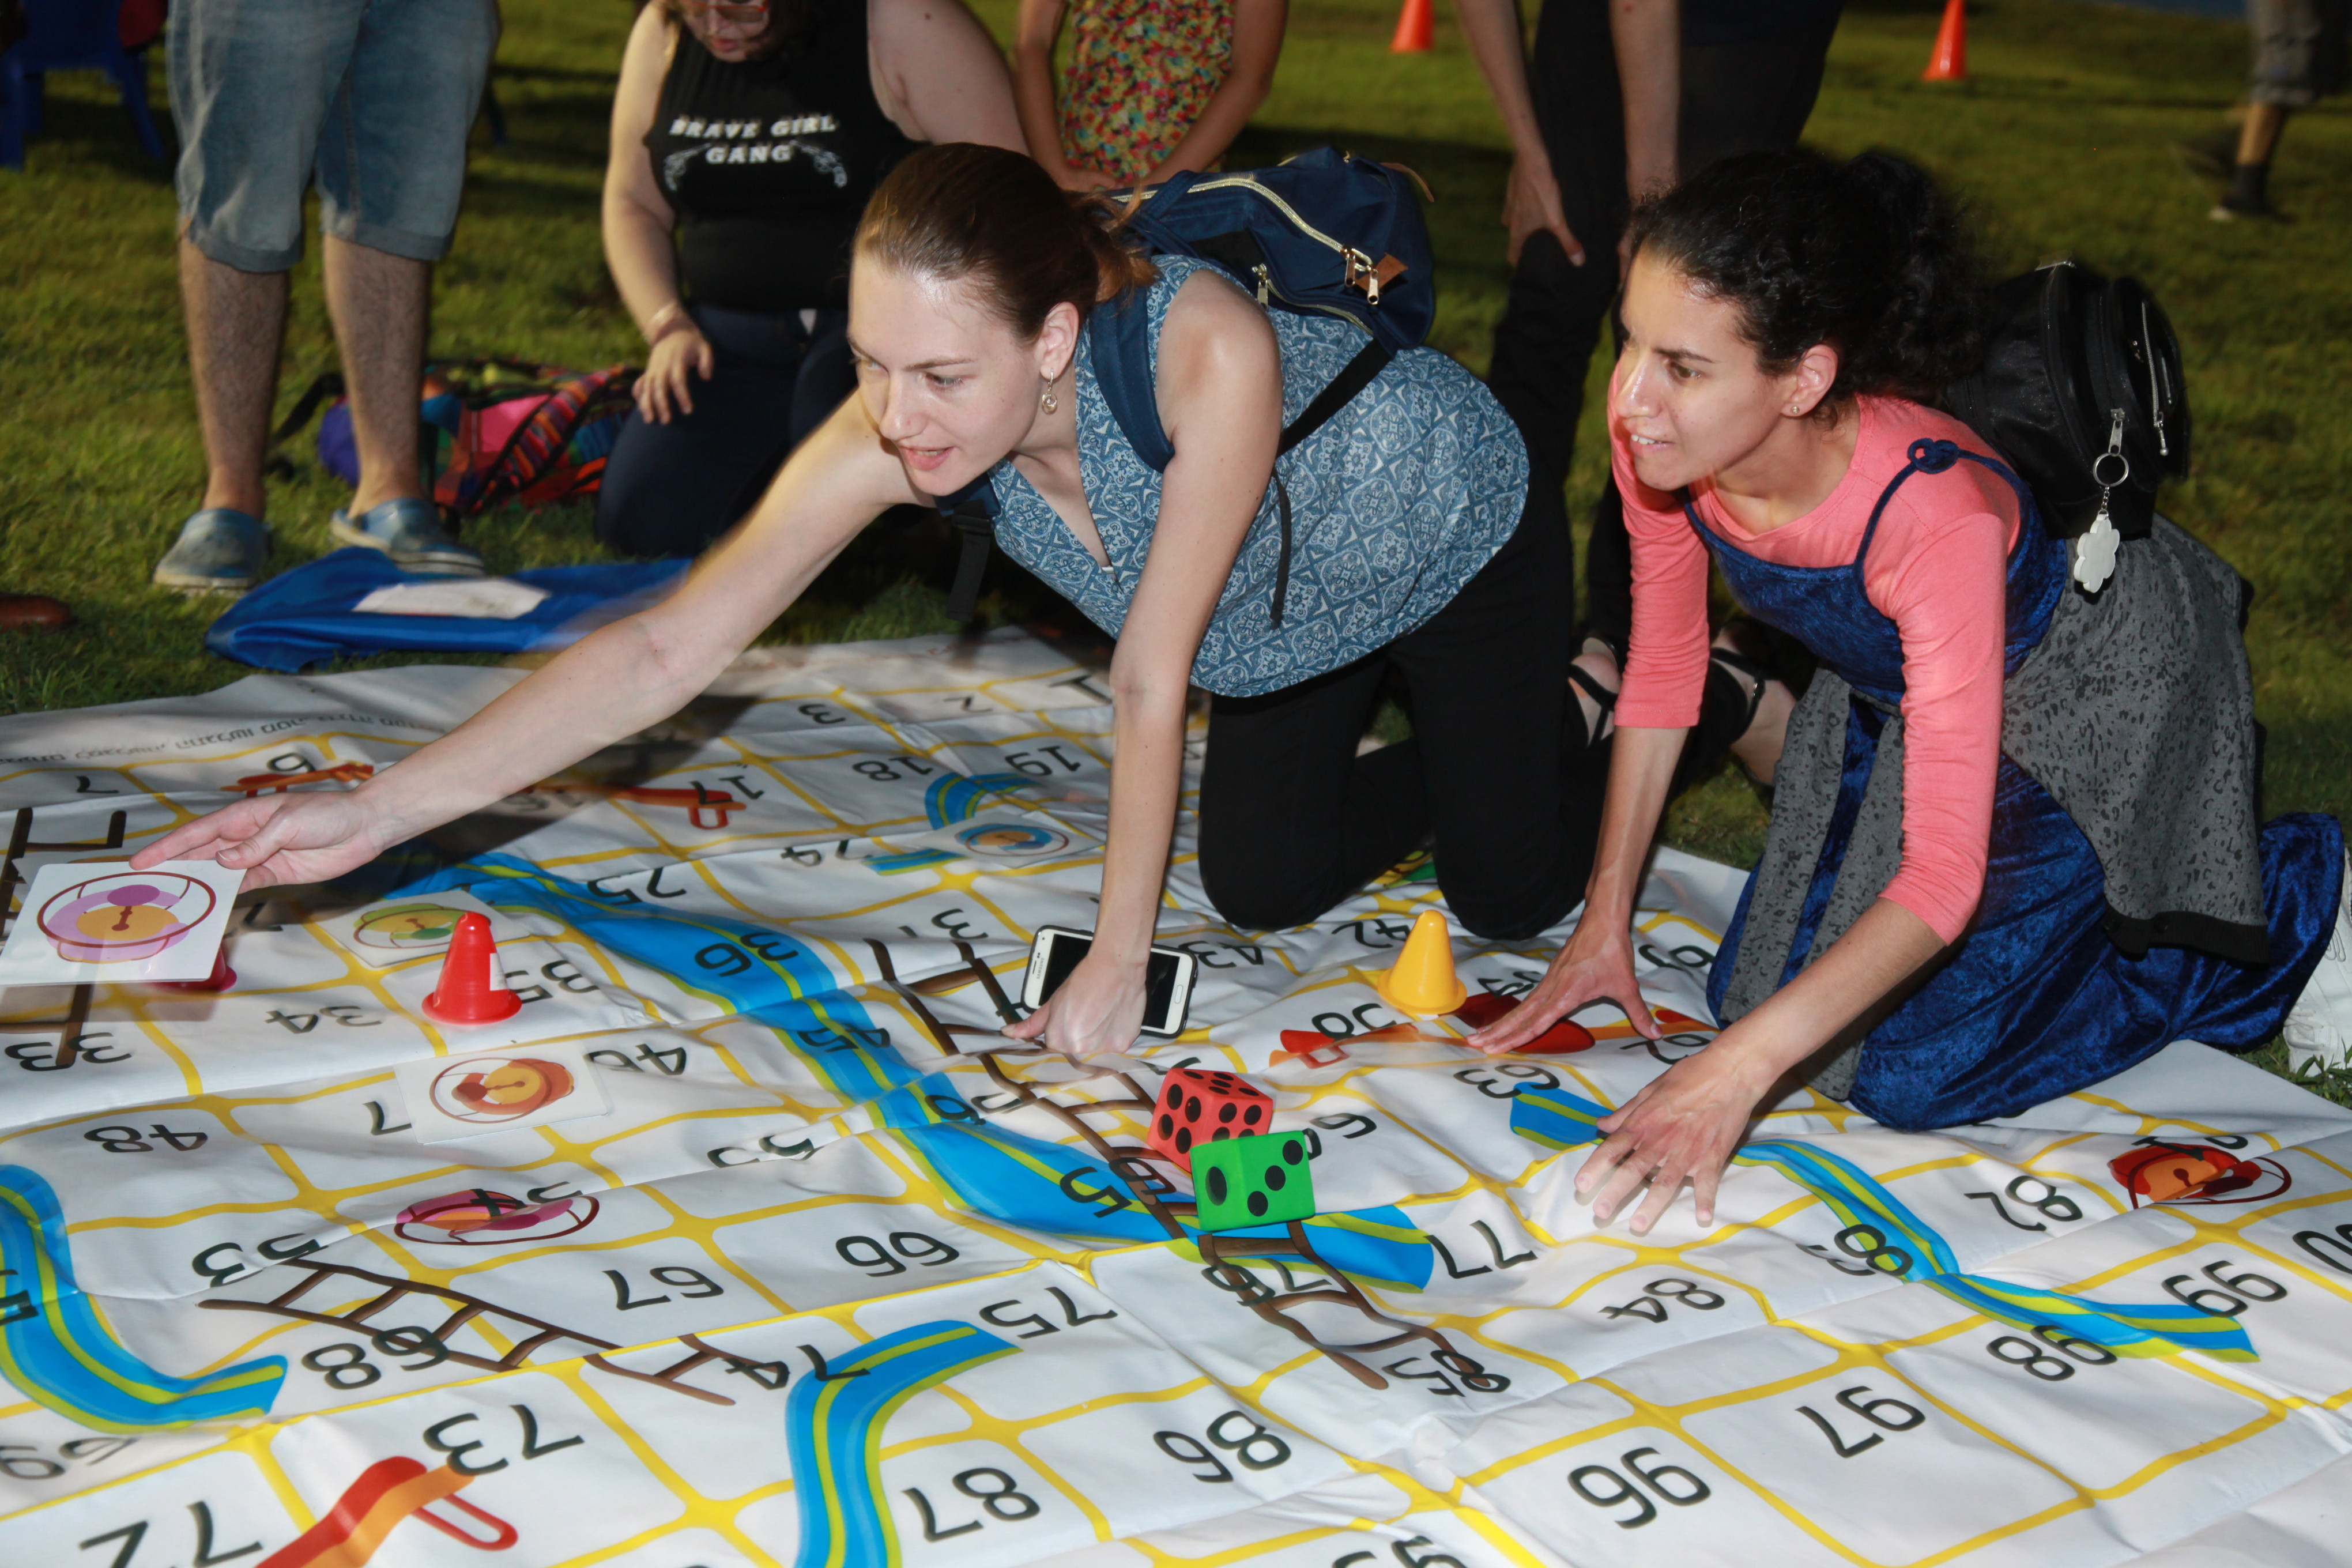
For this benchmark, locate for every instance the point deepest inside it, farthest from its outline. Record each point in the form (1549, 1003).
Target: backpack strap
(1121, 329)
(973, 509)
(1122, 363)
(1354, 376)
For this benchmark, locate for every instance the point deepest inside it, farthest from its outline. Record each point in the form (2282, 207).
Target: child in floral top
(1156, 86)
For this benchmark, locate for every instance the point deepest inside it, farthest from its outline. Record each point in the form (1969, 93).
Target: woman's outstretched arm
(1686, 1124)
(1597, 962)
(1221, 400)
(611, 683)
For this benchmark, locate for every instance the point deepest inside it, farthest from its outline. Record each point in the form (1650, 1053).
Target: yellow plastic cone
(1423, 982)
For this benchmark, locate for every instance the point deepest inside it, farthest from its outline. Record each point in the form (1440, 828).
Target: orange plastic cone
(1422, 984)
(1950, 60)
(1416, 28)
(220, 979)
(472, 990)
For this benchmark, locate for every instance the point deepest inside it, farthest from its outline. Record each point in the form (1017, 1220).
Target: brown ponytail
(962, 211)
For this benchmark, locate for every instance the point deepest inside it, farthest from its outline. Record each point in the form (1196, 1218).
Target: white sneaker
(2319, 1025)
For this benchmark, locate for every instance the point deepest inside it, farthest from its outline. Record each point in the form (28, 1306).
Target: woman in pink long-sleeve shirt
(1935, 568)
(1967, 939)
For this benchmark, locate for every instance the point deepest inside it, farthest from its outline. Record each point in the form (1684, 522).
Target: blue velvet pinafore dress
(2037, 1001)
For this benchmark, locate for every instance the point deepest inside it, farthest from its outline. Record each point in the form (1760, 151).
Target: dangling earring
(1049, 402)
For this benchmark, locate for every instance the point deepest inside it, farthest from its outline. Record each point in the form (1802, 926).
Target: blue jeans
(373, 96)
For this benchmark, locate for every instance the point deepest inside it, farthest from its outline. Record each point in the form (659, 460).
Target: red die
(1198, 1107)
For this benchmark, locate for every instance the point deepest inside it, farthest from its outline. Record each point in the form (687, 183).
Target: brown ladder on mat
(1131, 1164)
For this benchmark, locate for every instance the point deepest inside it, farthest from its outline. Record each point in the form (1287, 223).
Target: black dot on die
(1192, 1108)
(1227, 1112)
(1293, 1150)
(1258, 1204)
(1252, 1113)
(1216, 1186)
(1167, 1124)
(1221, 1133)
(1184, 1140)
(1275, 1178)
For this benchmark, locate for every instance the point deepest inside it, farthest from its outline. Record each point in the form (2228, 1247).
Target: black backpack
(2081, 390)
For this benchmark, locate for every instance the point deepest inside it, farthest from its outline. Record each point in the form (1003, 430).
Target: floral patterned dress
(1141, 73)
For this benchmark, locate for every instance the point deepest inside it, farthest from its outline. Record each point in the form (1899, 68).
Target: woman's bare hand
(665, 389)
(1596, 965)
(282, 838)
(1097, 1011)
(1685, 1125)
(1531, 205)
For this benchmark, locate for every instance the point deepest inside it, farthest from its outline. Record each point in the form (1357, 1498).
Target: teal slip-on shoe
(410, 532)
(220, 551)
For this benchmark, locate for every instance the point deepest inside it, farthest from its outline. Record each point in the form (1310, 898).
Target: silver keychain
(2094, 551)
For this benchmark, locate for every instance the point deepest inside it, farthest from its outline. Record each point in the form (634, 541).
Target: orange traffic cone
(1422, 984)
(1416, 28)
(220, 979)
(1950, 60)
(472, 990)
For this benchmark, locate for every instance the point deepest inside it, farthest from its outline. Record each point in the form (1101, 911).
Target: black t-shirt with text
(768, 164)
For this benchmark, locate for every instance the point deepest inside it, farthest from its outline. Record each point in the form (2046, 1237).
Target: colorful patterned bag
(494, 431)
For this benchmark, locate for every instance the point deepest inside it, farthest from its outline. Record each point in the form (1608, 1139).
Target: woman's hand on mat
(1685, 1125)
(281, 839)
(1596, 965)
(1098, 1010)
(665, 388)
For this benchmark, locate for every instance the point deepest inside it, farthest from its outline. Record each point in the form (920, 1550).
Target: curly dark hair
(1869, 256)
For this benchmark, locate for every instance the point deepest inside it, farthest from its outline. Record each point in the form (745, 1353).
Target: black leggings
(1736, 98)
(1293, 821)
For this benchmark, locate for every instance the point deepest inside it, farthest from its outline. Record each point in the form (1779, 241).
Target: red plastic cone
(1950, 60)
(471, 989)
(220, 979)
(1416, 28)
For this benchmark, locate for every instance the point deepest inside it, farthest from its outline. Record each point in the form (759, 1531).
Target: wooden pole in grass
(1949, 61)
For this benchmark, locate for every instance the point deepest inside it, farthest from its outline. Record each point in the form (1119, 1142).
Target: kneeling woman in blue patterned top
(972, 281)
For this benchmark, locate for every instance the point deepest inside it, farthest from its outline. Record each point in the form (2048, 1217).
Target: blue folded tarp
(302, 618)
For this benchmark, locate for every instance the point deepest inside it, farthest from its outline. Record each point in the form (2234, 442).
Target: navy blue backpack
(1325, 233)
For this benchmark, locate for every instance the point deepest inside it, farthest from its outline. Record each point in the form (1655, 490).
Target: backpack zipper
(1354, 263)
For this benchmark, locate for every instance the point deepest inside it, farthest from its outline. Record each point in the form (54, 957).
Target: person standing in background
(374, 99)
(1622, 99)
(1156, 86)
(2299, 58)
(746, 137)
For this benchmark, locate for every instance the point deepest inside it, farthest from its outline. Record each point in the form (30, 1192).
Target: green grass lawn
(2062, 140)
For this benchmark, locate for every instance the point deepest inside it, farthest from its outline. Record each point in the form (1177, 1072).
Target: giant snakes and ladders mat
(841, 1282)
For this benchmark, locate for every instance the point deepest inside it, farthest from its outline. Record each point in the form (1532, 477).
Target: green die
(1257, 1180)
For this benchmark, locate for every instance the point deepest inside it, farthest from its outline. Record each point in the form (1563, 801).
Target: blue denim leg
(251, 81)
(391, 158)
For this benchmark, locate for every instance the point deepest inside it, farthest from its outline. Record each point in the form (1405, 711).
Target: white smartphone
(1167, 978)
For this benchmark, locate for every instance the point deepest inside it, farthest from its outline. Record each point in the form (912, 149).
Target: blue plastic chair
(63, 36)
